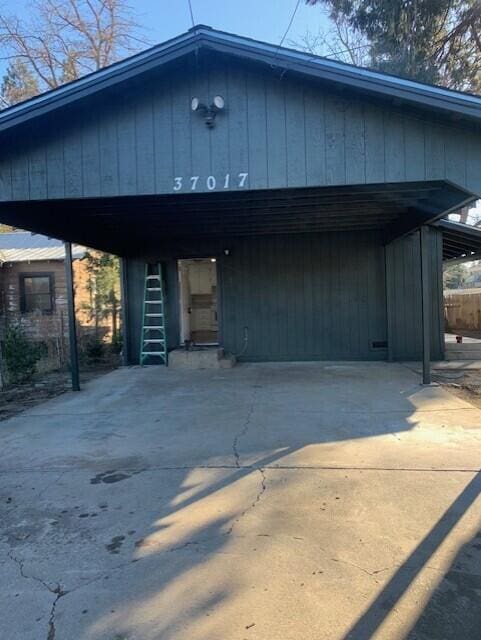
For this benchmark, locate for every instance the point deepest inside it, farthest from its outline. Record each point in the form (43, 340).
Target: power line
(336, 53)
(285, 34)
(290, 23)
(189, 2)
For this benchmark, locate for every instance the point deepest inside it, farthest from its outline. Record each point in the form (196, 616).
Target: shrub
(94, 350)
(21, 355)
(117, 342)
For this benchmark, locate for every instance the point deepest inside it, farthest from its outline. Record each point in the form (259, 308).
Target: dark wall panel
(309, 296)
(281, 131)
(305, 297)
(404, 294)
(135, 272)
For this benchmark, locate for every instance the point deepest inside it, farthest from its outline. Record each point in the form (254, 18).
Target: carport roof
(423, 96)
(138, 225)
(461, 242)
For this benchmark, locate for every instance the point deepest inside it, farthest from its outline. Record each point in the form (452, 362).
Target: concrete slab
(268, 501)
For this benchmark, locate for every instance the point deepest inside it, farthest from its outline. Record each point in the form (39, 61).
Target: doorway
(198, 301)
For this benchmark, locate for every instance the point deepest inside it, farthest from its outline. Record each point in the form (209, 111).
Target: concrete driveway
(286, 502)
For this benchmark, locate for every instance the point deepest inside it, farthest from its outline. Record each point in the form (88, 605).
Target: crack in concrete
(254, 504)
(57, 591)
(183, 546)
(373, 574)
(53, 483)
(245, 428)
(52, 631)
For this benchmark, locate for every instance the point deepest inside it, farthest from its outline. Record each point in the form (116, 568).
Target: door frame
(182, 311)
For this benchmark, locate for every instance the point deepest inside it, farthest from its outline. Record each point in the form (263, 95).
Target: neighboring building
(291, 200)
(33, 290)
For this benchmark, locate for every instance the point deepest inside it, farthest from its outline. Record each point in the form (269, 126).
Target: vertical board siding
(276, 135)
(314, 132)
(283, 132)
(89, 135)
(182, 141)
(237, 124)
(199, 133)
(127, 142)
(295, 135)
(311, 297)
(6, 193)
(219, 135)
(335, 140)
(38, 174)
(305, 297)
(144, 145)
(109, 156)
(374, 143)
(55, 168)
(395, 170)
(435, 151)
(404, 284)
(257, 130)
(414, 151)
(72, 159)
(163, 138)
(134, 274)
(355, 144)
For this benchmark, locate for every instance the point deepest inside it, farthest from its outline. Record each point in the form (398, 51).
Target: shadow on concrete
(185, 571)
(458, 594)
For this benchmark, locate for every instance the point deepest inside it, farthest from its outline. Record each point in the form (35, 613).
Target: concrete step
(208, 358)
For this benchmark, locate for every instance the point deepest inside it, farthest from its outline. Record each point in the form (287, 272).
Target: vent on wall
(379, 344)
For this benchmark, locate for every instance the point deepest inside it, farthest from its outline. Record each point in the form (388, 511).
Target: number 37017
(211, 183)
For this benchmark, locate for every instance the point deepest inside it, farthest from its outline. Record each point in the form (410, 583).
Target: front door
(198, 283)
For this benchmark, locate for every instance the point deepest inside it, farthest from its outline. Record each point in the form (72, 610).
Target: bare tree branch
(65, 39)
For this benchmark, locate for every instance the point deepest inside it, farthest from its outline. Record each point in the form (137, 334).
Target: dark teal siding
(404, 291)
(310, 297)
(284, 133)
(305, 297)
(135, 273)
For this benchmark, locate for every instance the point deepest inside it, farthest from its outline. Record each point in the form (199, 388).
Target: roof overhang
(461, 242)
(137, 226)
(284, 60)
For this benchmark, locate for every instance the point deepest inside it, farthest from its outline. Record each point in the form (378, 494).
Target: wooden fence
(462, 309)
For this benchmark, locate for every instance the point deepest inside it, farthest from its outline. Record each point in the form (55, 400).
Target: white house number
(211, 183)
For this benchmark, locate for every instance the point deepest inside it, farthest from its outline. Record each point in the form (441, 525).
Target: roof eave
(204, 37)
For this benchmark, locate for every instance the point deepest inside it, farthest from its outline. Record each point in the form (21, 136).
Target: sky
(260, 19)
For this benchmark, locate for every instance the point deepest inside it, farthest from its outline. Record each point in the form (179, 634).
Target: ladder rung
(153, 309)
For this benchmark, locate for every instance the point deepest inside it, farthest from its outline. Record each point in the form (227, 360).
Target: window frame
(23, 296)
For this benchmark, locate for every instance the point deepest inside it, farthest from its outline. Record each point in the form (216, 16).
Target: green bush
(21, 355)
(94, 350)
(116, 343)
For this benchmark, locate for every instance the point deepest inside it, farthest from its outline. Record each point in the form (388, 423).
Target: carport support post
(72, 325)
(425, 303)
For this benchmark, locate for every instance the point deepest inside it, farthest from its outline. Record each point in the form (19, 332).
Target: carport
(313, 188)
(461, 242)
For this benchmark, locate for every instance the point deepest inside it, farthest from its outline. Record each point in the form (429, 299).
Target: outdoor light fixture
(209, 113)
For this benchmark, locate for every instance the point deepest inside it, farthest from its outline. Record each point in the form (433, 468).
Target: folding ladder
(153, 343)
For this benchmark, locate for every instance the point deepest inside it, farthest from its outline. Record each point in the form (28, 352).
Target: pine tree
(18, 84)
(436, 41)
